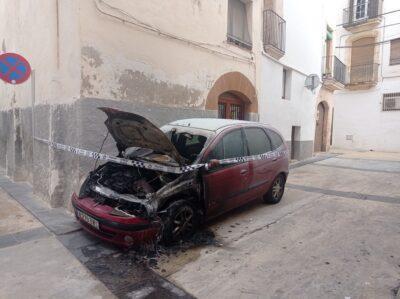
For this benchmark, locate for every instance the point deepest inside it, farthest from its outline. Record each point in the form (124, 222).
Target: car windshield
(189, 142)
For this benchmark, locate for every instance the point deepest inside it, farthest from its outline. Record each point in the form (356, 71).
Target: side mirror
(212, 164)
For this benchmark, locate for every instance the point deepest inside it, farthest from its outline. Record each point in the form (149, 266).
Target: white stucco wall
(298, 110)
(304, 40)
(359, 113)
(31, 30)
(128, 52)
(56, 42)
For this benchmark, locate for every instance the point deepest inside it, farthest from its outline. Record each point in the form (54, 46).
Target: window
(239, 21)
(327, 65)
(275, 139)
(188, 145)
(221, 110)
(257, 141)
(391, 101)
(231, 146)
(361, 9)
(236, 111)
(217, 152)
(395, 51)
(286, 78)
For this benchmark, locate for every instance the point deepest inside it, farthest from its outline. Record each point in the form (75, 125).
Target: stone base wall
(303, 149)
(55, 175)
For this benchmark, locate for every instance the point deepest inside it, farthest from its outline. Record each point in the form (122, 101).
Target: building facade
(333, 74)
(165, 60)
(367, 110)
(292, 46)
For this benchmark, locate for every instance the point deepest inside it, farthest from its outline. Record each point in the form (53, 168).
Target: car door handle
(243, 171)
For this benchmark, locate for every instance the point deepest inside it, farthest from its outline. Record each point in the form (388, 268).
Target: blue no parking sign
(14, 68)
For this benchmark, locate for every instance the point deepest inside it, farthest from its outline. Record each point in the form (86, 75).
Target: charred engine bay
(132, 191)
(131, 180)
(121, 179)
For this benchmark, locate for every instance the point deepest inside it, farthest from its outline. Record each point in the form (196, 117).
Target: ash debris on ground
(125, 276)
(150, 253)
(134, 271)
(396, 291)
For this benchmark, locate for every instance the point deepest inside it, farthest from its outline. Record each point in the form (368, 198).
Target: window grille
(391, 101)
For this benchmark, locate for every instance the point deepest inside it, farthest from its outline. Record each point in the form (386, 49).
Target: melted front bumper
(122, 231)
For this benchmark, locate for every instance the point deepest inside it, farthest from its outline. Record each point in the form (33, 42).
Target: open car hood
(132, 130)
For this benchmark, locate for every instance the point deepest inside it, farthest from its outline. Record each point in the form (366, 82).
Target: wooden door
(230, 107)
(319, 129)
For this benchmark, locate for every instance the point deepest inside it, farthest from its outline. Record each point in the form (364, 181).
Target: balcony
(274, 34)
(364, 12)
(363, 76)
(333, 73)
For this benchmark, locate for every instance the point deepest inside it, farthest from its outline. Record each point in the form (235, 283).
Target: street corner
(200, 149)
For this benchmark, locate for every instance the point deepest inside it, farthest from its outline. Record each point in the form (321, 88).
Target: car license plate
(93, 222)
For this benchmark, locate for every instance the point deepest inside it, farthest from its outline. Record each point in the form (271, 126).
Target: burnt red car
(128, 205)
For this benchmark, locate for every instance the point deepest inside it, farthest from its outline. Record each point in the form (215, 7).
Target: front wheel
(180, 221)
(275, 193)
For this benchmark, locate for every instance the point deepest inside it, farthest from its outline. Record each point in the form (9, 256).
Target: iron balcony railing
(367, 73)
(361, 11)
(274, 30)
(333, 67)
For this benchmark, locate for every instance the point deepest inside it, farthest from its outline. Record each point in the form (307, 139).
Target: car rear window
(231, 146)
(257, 141)
(275, 139)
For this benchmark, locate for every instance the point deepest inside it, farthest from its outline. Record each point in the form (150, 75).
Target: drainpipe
(58, 32)
(382, 45)
(33, 100)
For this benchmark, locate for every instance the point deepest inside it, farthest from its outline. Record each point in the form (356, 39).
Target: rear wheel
(275, 193)
(180, 221)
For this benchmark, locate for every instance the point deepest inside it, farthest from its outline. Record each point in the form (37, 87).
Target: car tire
(275, 192)
(179, 222)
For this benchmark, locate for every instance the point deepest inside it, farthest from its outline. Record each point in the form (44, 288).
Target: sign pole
(33, 101)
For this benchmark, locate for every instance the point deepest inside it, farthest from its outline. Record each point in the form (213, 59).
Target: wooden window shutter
(395, 51)
(363, 51)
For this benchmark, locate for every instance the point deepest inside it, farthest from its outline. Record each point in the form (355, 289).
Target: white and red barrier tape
(156, 166)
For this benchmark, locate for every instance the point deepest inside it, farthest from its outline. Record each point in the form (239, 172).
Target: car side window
(257, 141)
(231, 146)
(217, 152)
(275, 139)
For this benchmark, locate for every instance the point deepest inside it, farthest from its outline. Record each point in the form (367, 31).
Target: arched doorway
(320, 128)
(230, 106)
(233, 96)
